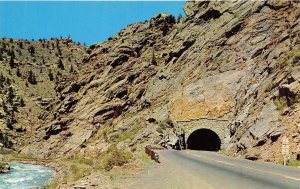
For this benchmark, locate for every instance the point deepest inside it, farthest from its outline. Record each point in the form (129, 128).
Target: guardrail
(150, 152)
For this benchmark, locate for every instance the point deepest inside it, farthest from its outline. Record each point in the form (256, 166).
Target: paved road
(222, 172)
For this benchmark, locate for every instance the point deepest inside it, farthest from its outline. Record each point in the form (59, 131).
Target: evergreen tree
(179, 18)
(1, 55)
(58, 74)
(50, 75)
(14, 108)
(11, 120)
(18, 73)
(31, 50)
(4, 106)
(22, 102)
(57, 43)
(71, 69)
(21, 45)
(8, 82)
(31, 77)
(60, 64)
(59, 51)
(11, 53)
(11, 95)
(12, 62)
(153, 59)
(1, 81)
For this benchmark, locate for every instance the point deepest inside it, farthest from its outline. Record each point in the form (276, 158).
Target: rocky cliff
(238, 61)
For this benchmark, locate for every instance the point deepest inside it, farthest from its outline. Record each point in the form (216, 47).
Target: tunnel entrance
(204, 139)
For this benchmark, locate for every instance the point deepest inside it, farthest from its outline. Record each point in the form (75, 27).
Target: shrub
(115, 157)
(292, 57)
(281, 103)
(78, 172)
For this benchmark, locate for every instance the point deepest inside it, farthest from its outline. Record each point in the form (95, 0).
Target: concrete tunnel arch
(204, 139)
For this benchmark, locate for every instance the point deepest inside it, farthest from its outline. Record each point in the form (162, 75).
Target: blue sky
(89, 22)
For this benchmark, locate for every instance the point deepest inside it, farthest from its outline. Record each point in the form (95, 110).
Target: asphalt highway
(223, 172)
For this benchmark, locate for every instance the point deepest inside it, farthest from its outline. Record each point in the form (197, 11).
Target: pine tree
(21, 45)
(58, 74)
(22, 103)
(11, 120)
(71, 69)
(14, 108)
(11, 53)
(11, 95)
(179, 18)
(18, 73)
(12, 62)
(59, 51)
(1, 81)
(4, 106)
(153, 59)
(31, 77)
(57, 43)
(50, 75)
(31, 50)
(60, 64)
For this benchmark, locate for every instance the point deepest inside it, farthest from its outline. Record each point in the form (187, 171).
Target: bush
(281, 103)
(78, 172)
(115, 157)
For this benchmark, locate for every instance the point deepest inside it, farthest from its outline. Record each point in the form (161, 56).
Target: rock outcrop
(235, 60)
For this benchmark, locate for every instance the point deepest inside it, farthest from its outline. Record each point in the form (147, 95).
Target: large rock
(4, 167)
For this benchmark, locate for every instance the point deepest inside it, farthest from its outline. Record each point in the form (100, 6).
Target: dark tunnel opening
(204, 139)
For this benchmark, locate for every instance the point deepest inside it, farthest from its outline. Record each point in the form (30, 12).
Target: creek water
(25, 176)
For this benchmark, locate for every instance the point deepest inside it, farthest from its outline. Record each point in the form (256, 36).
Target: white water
(25, 176)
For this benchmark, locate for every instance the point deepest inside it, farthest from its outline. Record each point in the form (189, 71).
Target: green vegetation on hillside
(28, 75)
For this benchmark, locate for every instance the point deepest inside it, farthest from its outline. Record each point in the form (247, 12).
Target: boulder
(4, 167)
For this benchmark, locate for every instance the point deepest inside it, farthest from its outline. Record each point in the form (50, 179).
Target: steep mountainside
(238, 61)
(29, 71)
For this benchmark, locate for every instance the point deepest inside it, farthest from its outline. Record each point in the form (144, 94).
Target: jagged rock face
(235, 60)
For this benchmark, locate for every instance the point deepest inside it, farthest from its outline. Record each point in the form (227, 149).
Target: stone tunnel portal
(204, 139)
